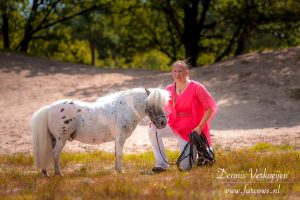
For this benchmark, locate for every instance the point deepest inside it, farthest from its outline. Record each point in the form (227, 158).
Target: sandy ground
(255, 93)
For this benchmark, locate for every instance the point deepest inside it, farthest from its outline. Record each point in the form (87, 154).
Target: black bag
(205, 154)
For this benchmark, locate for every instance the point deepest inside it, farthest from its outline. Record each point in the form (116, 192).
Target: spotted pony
(111, 118)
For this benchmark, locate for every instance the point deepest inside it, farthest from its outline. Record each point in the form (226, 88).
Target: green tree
(44, 14)
(123, 32)
(258, 24)
(214, 27)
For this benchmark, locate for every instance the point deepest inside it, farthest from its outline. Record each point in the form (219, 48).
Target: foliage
(126, 33)
(261, 24)
(62, 47)
(154, 60)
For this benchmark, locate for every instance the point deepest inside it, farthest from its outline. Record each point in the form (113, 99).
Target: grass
(92, 176)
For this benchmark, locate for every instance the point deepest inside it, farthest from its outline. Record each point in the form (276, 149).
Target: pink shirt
(189, 109)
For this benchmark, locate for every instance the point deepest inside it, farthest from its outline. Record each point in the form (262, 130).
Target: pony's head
(155, 102)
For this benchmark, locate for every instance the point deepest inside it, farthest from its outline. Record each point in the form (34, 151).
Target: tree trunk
(230, 45)
(5, 25)
(243, 40)
(246, 31)
(25, 42)
(92, 53)
(191, 33)
(193, 28)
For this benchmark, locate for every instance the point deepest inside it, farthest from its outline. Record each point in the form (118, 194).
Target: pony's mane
(111, 95)
(116, 94)
(158, 97)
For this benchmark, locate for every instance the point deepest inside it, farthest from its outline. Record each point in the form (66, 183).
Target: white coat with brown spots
(112, 117)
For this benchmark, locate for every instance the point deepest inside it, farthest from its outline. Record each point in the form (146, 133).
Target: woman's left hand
(198, 129)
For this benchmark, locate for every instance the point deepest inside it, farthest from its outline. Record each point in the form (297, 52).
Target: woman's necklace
(180, 90)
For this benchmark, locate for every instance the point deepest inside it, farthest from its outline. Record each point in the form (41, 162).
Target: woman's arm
(208, 113)
(208, 103)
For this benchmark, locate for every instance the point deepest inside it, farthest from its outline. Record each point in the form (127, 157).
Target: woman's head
(180, 71)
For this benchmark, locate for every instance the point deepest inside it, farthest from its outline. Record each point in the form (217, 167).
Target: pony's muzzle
(162, 123)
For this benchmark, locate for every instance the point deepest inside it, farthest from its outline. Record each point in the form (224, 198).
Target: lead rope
(204, 152)
(181, 157)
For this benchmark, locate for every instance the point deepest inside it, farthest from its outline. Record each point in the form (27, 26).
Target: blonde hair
(182, 63)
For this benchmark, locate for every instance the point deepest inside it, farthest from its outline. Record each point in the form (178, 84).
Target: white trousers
(166, 132)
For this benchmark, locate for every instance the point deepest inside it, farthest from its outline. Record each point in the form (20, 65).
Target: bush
(153, 59)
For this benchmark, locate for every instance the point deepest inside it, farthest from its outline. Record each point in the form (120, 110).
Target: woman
(190, 108)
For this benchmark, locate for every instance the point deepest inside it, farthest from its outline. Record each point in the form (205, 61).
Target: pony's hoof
(59, 174)
(120, 171)
(45, 173)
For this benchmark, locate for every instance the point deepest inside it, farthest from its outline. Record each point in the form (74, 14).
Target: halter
(151, 116)
(158, 116)
(155, 117)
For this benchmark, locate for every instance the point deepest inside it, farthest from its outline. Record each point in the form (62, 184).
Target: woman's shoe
(158, 169)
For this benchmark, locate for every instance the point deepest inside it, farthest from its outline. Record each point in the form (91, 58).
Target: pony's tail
(42, 147)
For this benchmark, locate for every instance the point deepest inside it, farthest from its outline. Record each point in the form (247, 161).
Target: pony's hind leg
(59, 145)
(53, 143)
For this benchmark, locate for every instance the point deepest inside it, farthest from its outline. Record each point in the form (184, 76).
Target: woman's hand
(204, 120)
(198, 129)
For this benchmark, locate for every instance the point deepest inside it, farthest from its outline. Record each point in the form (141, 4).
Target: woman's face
(179, 72)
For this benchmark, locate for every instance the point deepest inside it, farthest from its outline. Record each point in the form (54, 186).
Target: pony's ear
(147, 91)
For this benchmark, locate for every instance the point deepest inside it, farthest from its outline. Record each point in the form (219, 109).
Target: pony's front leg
(119, 144)
(59, 145)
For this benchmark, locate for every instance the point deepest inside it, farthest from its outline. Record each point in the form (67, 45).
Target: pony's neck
(140, 104)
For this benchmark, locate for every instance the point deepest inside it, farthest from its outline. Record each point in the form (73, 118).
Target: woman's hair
(184, 64)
